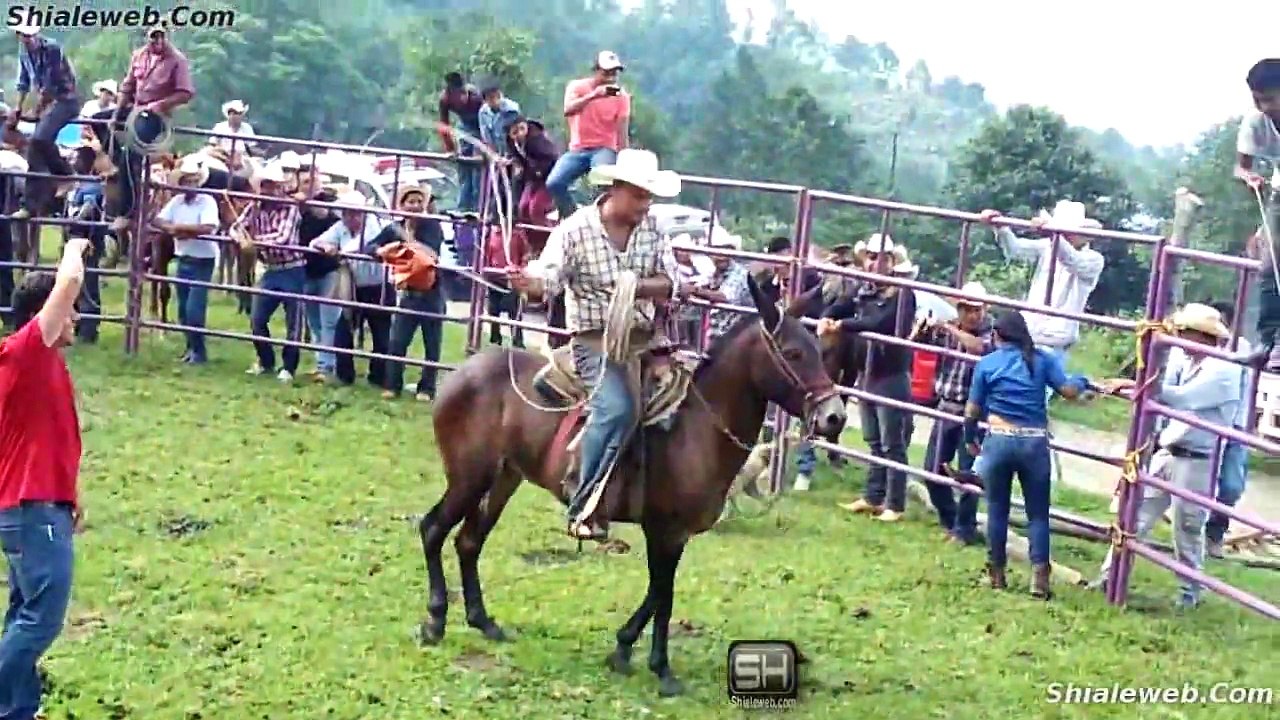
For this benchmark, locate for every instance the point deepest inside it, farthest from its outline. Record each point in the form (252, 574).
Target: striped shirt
(732, 283)
(580, 260)
(46, 67)
(276, 223)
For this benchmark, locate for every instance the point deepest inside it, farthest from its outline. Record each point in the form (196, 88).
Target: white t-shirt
(201, 211)
(244, 131)
(1260, 138)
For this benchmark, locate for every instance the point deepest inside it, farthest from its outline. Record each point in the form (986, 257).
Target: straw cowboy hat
(108, 85)
(1069, 215)
(902, 263)
(407, 190)
(193, 166)
(234, 106)
(877, 243)
(639, 168)
(1202, 319)
(26, 29)
(972, 288)
(352, 197)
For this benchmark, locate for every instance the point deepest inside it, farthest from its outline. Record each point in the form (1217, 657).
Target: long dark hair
(1012, 328)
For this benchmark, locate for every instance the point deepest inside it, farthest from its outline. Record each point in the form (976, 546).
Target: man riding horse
(586, 257)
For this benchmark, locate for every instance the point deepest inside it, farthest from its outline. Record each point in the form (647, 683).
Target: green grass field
(252, 553)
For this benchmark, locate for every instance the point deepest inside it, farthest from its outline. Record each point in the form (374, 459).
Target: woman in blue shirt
(1008, 391)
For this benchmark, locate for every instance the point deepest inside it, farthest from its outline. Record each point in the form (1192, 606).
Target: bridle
(814, 395)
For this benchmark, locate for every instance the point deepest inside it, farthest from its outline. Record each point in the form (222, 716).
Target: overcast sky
(1158, 72)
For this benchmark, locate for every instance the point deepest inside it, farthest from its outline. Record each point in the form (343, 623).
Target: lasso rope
(162, 143)
(1269, 235)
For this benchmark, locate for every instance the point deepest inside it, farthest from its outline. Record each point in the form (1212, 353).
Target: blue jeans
(404, 327)
(806, 458)
(947, 442)
(1232, 475)
(323, 319)
(884, 431)
(91, 291)
(290, 280)
(468, 176)
(571, 166)
(37, 540)
(1028, 457)
(193, 302)
(611, 419)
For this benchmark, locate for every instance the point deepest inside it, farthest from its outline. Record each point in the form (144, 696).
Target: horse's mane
(730, 336)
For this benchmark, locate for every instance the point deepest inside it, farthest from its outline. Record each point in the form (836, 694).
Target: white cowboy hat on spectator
(1202, 319)
(1069, 215)
(902, 263)
(272, 173)
(234, 106)
(878, 243)
(682, 239)
(608, 60)
(290, 160)
(26, 29)
(108, 85)
(973, 288)
(639, 168)
(352, 197)
(721, 238)
(193, 166)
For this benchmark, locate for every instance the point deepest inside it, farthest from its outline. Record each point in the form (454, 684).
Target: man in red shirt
(599, 114)
(39, 462)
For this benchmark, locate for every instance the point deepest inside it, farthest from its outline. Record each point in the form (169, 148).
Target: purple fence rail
(1145, 408)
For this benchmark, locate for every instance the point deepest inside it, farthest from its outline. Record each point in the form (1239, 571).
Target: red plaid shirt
(276, 223)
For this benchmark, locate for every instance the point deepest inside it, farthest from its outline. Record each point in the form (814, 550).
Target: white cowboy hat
(272, 172)
(608, 60)
(1069, 215)
(26, 29)
(352, 197)
(903, 265)
(972, 288)
(682, 239)
(639, 168)
(878, 243)
(108, 85)
(192, 165)
(1200, 318)
(236, 106)
(289, 160)
(721, 238)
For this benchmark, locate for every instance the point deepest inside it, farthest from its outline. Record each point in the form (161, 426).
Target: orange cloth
(413, 265)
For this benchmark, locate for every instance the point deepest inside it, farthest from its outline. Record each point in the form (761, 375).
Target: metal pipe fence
(795, 264)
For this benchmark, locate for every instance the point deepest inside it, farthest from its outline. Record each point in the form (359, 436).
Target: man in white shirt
(1208, 388)
(186, 217)
(235, 124)
(356, 230)
(1259, 139)
(1078, 268)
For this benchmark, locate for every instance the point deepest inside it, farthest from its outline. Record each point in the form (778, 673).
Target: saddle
(658, 378)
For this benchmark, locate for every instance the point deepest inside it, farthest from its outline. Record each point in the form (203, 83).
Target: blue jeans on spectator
(946, 442)
(884, 431)
(38, 544)
(404, 327)
(323, 319)
(806, 458)
(610, 422)
(1232, 476)
(193, 303)
(468, 175)
(1002, 457)
(571, 166)
(290, 280)
(91, 291)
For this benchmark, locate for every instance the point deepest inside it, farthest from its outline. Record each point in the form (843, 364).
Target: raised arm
(66, 288)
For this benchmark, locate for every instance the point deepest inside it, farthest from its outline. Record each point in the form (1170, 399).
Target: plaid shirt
(47, 68)
(580, 259)
(277, 223)
(954, 376)
(732, 283)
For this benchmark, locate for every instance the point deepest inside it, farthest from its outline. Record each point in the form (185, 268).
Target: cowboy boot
(996, 575)
(1040, 588)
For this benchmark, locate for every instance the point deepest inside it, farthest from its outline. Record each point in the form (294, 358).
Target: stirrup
(586, 531)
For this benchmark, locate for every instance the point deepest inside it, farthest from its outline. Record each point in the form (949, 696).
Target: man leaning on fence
(42, 65)
(1209, 389)
(157, 83)
(275, 221)
(40, 450)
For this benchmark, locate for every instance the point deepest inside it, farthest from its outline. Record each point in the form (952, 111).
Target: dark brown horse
(490, 439)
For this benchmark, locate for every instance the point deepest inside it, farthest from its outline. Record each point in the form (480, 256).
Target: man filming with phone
(599, 114)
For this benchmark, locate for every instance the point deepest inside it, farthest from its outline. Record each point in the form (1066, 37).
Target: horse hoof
(618, 663)
(431, 633)
(669, 686)
(492, 631)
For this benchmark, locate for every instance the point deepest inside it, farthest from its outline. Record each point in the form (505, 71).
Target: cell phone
(612, 89)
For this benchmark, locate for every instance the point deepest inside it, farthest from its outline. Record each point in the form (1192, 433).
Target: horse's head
(791, 373)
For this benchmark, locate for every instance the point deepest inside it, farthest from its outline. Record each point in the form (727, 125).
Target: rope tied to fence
(1119, 535)
(1142, 331)
(1129, 469)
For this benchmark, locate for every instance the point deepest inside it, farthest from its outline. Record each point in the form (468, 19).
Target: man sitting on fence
(1259, 139)
(42, 64)
(1208, 388)
(970, 333)
(599, 115)
(276, 221)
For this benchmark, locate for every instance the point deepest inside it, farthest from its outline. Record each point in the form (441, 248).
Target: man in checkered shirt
(584, 258)
(276, 222)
